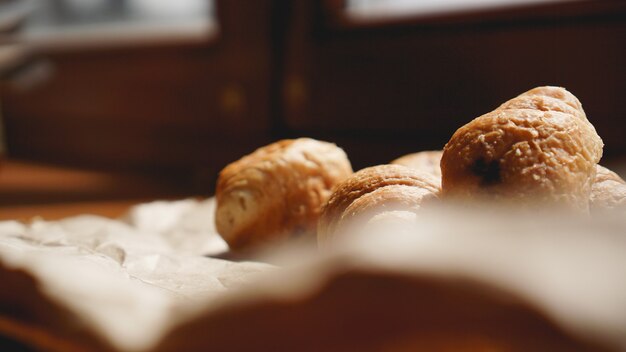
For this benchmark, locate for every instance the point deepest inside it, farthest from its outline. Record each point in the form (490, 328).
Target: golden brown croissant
(536, 147)
(427, 161)
(372, 194)
(277, 191)
(608, 191)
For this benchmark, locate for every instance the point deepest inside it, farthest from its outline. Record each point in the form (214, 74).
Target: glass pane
(372, 9)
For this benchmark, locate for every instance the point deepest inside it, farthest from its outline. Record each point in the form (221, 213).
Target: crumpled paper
(126, 278)
(459, 280)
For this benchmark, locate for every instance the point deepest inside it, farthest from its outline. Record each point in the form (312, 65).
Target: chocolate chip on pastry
(277, 191)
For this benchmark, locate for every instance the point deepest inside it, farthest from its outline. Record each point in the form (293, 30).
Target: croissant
(373, 194)
(427, 161)
(277, 191)
(537, 147)
(608, 191)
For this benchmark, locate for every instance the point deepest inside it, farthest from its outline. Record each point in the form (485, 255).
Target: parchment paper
(125, 279)
(458, 280)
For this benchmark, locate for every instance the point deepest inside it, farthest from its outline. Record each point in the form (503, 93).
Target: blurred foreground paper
(143, 284)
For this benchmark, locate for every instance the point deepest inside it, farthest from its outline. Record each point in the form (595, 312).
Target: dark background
(160, 118)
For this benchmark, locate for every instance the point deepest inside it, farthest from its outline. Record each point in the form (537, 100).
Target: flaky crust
(608, 191)
(371, 191)
(427, 161)
(547, 99)
(537, 147)
(277, 191)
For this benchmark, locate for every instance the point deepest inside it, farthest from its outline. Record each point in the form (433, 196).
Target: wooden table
(111, 209)
(29, 190)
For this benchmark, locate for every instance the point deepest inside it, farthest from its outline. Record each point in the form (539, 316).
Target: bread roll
(608, 191)
(427, 161)
(277, 191)
(376, 193)
(538, 147)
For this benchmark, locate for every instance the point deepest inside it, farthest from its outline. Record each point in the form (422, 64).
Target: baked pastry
(608, 191)
(427, 161)
(277, 191)
(373, 194)
(537, 147)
